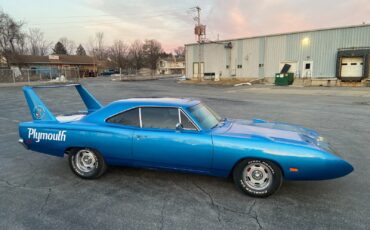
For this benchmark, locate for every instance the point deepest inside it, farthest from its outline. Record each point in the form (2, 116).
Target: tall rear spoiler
(38, 109)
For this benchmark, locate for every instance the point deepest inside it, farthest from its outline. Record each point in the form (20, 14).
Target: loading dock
(352, 67)
(353, 64)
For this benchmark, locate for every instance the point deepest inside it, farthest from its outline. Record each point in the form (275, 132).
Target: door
(196, 69)
(159, 144)
(121, 127)
(307, 68)
(352, 67)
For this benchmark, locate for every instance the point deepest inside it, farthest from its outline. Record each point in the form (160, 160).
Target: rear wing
(38, 109)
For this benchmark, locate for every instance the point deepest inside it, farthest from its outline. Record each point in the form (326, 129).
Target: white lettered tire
(257, 178)
(87, 163)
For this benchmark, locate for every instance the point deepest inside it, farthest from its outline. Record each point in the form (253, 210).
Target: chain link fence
(16, 75)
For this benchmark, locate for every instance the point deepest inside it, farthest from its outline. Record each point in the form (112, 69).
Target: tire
(257, 178)
(87, 163)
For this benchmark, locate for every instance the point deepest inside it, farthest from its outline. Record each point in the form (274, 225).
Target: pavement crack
(253, 214)
(215, 206)
(10, 184)
(251, 207)
(45, 202)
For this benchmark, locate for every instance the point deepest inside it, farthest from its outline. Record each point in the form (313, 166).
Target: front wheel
(257, 178)
(87, 163)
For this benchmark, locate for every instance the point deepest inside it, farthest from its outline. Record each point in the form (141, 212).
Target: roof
(173, 59)
(166, 101)
(54, 59)
(285, 33)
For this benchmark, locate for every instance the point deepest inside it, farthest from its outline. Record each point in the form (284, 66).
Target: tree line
(14, 41)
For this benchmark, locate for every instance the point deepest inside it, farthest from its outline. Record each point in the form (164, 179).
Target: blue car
(179, 134)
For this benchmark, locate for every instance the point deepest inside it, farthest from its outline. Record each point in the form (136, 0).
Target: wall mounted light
(305, 41)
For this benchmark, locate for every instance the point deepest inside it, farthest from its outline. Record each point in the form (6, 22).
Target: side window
(164, 118)
(130, 118)
(186, 123)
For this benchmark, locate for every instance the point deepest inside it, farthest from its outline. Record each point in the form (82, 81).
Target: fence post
(50, 73)
(78, 73)
(13, 73)
(120, 74)
(28, 76)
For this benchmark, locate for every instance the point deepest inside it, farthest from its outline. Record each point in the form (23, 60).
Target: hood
(273, 131)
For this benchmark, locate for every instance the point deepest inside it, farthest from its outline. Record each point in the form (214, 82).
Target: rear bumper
(20, 141)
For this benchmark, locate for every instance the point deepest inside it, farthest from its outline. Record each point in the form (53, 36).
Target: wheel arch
(70, 149)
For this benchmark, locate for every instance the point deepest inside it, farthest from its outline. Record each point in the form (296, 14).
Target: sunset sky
(171, 22)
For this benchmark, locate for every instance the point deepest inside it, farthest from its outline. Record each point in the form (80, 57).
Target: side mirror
(179, 127)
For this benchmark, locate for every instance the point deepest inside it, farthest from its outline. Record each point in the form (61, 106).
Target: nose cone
(339, 167)
(347, 168)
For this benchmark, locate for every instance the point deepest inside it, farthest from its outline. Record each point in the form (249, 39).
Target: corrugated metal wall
(270, 51)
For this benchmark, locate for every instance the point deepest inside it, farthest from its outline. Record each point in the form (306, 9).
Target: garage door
(352, 67)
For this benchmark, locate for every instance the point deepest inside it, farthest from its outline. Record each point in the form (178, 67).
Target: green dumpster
(284, 78)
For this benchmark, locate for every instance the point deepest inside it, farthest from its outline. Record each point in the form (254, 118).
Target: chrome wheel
(85, 161)
(257, 176)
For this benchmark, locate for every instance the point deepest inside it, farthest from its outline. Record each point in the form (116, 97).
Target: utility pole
(199, 38)
(198, 31)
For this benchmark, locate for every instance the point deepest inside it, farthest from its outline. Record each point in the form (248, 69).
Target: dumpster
(284, 77)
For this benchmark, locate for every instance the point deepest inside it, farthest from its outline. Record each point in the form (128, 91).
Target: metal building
(341, 52)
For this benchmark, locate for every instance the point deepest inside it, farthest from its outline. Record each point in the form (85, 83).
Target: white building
(341, 52)
(171, 65)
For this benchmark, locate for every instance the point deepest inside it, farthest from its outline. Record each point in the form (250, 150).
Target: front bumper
(20, 141)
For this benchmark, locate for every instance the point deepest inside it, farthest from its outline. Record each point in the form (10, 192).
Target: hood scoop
(265, 129)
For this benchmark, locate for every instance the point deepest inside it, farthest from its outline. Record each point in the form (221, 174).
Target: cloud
(166, 21)
(171, 22)
(236, 18)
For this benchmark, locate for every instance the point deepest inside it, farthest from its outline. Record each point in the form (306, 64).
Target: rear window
(129, 118)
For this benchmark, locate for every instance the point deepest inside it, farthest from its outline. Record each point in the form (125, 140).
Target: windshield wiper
(220, 122)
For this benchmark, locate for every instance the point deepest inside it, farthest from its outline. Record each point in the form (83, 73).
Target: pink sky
(171, 22)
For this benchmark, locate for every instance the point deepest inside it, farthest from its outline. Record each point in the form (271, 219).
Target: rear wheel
(257, 178)
(87, 163)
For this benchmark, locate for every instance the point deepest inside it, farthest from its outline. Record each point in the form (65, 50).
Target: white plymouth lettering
(60, 136)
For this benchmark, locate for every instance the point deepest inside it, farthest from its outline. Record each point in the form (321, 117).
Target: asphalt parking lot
(40, 192)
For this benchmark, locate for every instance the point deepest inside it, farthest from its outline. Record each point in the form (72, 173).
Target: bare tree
(100, 50)
(118, 54)
(96, 48)
(152, 50)
(36, 42)
(179, 51)
(12, 39)
(68, 44)
(136, 54)
(90, 47)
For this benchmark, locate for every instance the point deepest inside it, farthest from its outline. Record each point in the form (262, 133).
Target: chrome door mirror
(179, 127)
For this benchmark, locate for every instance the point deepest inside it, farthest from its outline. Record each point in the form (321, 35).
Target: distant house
(2, 62)
(171, 65)
(85, 64)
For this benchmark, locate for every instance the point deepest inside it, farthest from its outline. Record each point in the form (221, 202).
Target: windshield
(206, 117)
